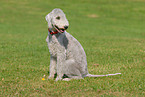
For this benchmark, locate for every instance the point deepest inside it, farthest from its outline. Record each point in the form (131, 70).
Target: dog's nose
(65, 27)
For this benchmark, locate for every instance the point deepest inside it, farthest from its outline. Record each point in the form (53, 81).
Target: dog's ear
(47, 17)
(47, 39)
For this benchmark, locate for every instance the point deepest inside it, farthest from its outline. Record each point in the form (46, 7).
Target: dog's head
(57, 20)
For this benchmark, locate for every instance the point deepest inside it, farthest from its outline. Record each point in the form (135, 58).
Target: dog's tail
(90, 75)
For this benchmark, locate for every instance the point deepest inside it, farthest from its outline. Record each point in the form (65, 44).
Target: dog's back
(76, 52)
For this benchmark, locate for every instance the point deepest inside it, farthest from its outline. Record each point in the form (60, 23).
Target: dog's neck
(52, 32)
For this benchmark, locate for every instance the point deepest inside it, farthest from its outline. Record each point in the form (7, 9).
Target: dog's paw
(57, 79)
(66, 79)
(50, 77)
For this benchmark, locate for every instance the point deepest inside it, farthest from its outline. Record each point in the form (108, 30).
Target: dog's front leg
(52, 68)
(61, 58)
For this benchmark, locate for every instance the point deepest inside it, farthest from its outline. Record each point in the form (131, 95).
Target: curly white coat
(67, 56)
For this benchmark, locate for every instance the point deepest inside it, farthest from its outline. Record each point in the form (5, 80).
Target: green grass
(112, 33)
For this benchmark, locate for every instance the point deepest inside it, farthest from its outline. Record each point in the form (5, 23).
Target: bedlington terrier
(67, 56)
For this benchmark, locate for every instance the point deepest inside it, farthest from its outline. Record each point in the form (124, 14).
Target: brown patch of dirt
(93, 16)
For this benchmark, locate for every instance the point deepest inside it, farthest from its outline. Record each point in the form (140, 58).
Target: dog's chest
(53, 45)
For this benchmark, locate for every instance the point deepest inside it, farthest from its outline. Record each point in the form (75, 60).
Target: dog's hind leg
(71, 68)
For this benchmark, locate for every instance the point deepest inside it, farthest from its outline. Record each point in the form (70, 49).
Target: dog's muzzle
(60, 30)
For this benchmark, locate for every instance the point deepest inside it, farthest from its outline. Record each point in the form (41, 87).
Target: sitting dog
(67, 56)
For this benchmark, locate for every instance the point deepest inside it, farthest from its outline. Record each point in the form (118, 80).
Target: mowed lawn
(112, 33)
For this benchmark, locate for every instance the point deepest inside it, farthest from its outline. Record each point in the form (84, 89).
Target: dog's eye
(58, 17)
